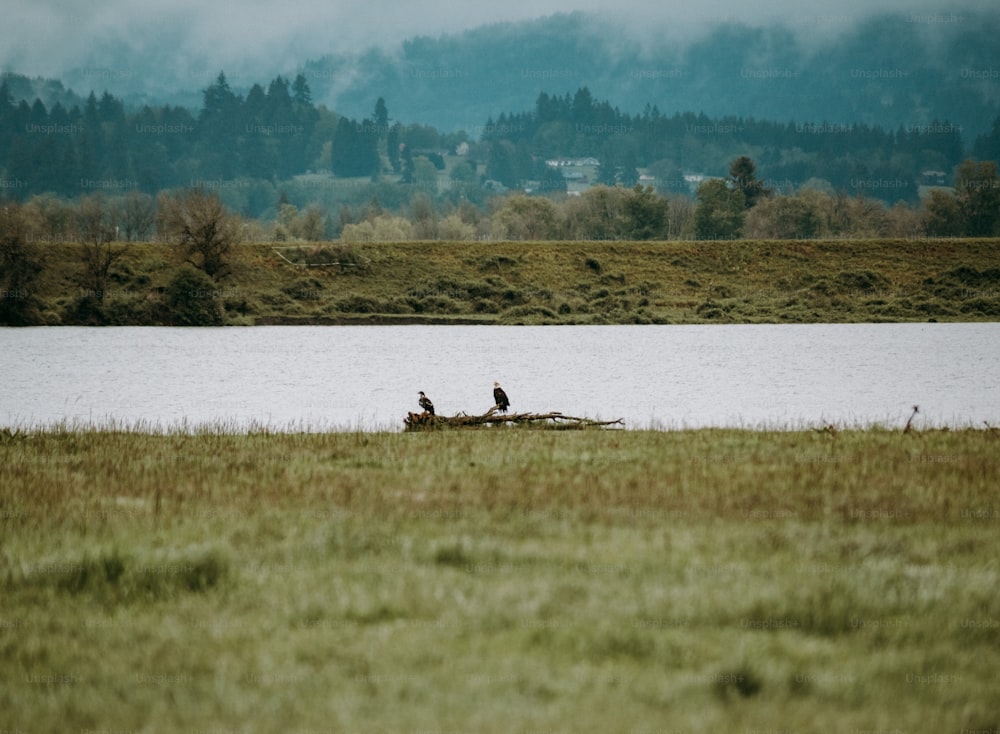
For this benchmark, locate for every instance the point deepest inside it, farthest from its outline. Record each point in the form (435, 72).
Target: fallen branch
(352, 261)
(426, 421)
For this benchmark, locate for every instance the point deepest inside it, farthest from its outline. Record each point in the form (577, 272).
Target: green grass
(562, 282)
(500, 581)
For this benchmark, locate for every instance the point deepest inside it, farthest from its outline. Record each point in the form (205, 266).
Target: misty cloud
(193, 39)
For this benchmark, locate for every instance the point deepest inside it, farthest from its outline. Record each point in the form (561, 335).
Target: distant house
(574, 162)
(933, 178)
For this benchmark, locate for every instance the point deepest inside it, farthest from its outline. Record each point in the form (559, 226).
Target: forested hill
(274, 134)
(888, 71)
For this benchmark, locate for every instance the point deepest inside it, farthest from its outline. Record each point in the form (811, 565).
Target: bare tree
(681, 211)
(96, 226)
(137, 214)
(202, 226)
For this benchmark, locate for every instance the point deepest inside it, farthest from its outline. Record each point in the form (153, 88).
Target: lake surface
(367, 377)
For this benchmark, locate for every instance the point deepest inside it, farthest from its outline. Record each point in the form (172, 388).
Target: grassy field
(556, 282)
(503, 580)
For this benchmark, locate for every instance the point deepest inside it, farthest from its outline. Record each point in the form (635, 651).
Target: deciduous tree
(784, 218)
(137, 214)
(527, 218)
(942, 215)
(977, 188)
(20, 268)
(97, 229)
(199, 222)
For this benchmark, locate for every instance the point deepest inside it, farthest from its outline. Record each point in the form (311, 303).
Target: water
(367, 377)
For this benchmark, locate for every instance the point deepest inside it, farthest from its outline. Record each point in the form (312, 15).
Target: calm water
(368, 376)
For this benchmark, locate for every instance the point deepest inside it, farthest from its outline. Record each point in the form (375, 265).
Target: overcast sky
(49, 37)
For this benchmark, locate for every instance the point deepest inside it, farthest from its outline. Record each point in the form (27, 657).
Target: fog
(193, 39)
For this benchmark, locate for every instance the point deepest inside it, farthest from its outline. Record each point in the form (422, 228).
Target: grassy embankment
(564, 282)
(500, 581)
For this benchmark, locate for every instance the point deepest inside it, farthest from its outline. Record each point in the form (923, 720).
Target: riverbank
(500, 580)
(542, 283)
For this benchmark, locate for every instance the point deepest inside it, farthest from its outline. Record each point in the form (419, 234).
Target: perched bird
(500, 398)
(426, 404)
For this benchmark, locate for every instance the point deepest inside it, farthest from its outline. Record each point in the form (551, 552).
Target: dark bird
(426, 404)
(500, 398)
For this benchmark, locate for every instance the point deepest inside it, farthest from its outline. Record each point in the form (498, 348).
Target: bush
(435, 304)
(20, 268)
(191, 299)
(381, 229)
(132, 310)
(358, 304)
(525, 312)
(304, 289)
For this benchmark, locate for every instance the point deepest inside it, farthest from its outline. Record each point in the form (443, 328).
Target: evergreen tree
(301, 92)
(720, 211)
(355, 149)
(381, 118)
(218, 130)
(392, 146)
(987, 146)
(743, 176)
(500, 165)
(409, 170)
(583, 107)
(648, 214)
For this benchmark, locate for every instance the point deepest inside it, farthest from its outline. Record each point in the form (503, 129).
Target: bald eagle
(426, 404)
(500, 398)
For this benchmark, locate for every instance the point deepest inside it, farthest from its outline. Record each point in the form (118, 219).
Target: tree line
(61, 163)
(741, 204)
(859, 159)
(271, 134)
(204, 232)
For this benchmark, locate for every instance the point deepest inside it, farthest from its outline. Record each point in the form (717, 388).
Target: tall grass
(497, 581)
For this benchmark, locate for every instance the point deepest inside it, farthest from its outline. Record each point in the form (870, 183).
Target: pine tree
(743, 176)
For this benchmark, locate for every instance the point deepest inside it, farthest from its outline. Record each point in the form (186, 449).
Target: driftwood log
(428, 422)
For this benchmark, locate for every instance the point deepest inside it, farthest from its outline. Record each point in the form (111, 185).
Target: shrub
(358, 304)
(20, 268)
(191, 299)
